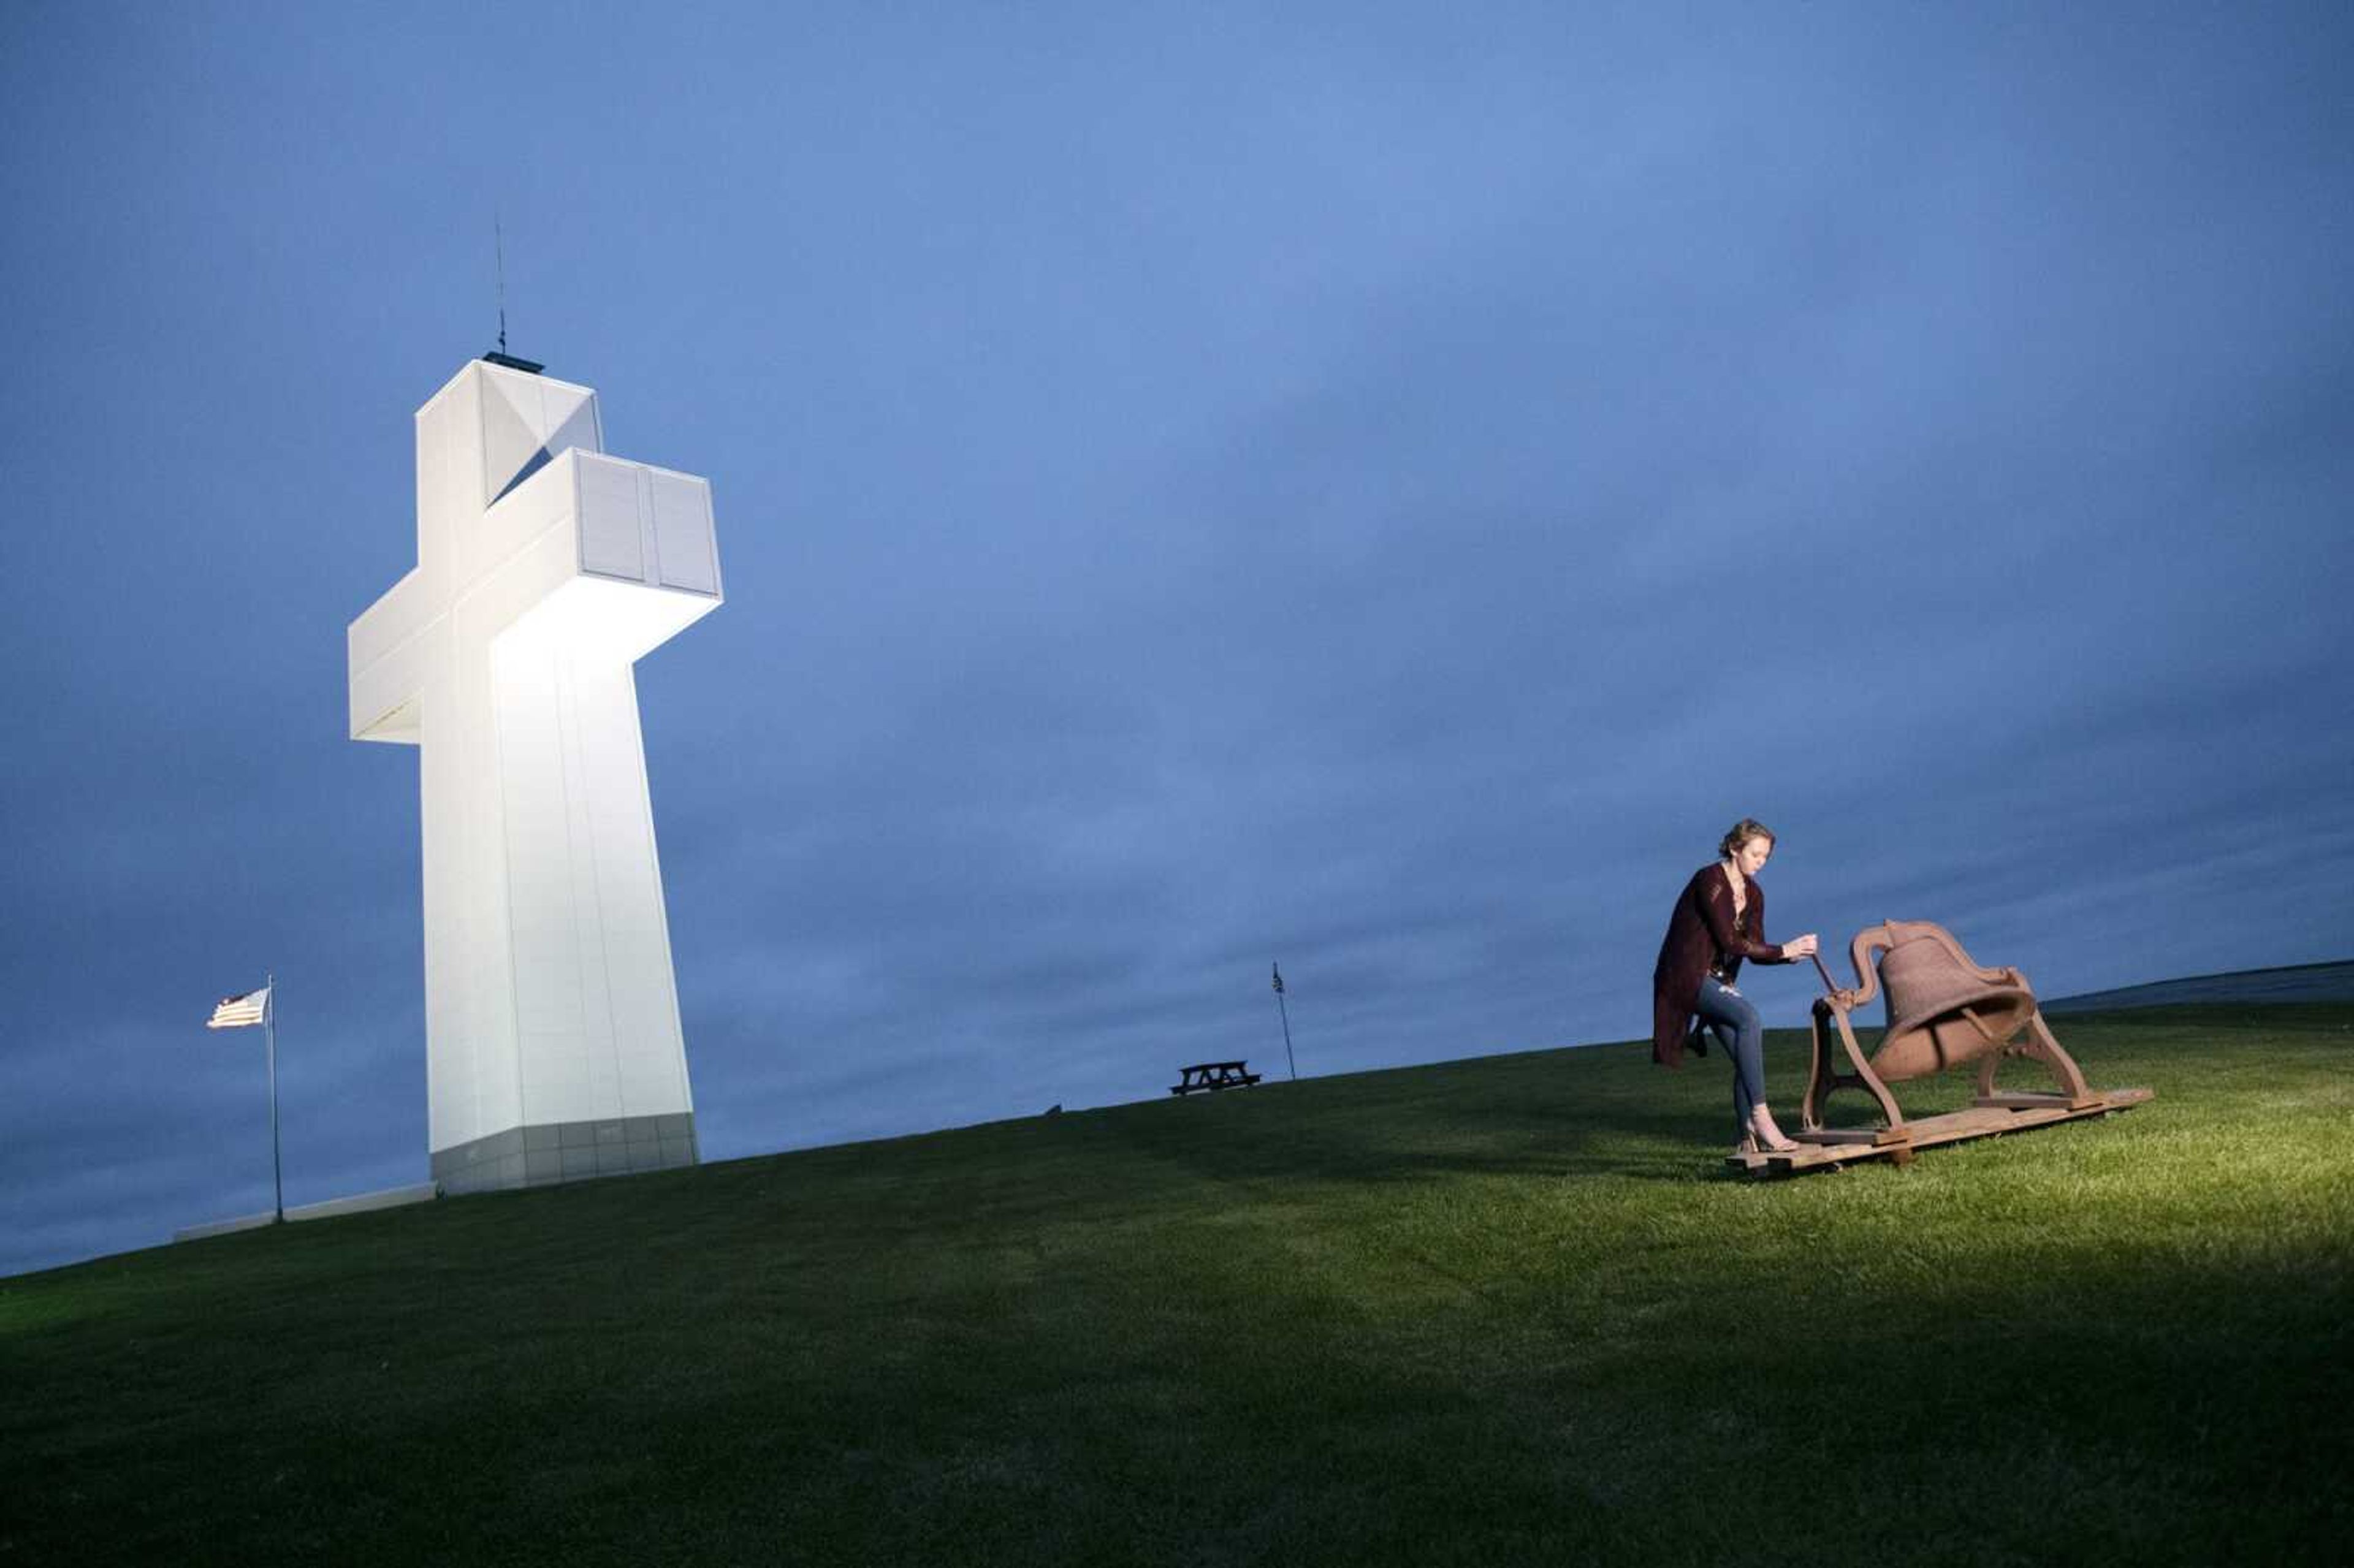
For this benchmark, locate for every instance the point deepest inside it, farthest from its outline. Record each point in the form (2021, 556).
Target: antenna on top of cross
(500, 356)
(1284, 1012)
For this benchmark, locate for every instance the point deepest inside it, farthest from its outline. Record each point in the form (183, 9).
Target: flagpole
(269, 1033)
(1284, 1014)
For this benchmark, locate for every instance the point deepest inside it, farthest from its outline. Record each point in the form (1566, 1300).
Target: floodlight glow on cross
(545, 570)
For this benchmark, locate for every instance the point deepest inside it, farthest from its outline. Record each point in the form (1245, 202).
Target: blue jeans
(1734, 1021)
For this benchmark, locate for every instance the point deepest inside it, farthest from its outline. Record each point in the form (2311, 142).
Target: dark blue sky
(1380, 487)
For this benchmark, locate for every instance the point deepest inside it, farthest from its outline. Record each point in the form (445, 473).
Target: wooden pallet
(1991, 1116)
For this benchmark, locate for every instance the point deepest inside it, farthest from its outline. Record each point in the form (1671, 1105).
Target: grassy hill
(1501, 1310)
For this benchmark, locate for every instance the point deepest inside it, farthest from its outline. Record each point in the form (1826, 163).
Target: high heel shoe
(1770, 1140)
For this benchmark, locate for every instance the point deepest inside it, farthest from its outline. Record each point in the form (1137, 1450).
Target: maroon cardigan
(1702, 930)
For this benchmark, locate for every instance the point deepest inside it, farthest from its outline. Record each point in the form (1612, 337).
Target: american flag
(238, 1011)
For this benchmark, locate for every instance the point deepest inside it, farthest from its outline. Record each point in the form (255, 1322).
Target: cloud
(1376, 497)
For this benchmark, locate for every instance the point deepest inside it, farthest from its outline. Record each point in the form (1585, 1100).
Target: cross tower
(544, 570)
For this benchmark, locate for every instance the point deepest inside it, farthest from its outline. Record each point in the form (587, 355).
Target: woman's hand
(1799, 947)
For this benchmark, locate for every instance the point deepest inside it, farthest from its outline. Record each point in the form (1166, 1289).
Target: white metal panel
(585, 717)
(524, 586)
(571, 419)
(519, 517)
(542, 919)
(449, 476)
(512, 424)
(683, 543)
(403, 611)
(386, 653)
(649, 1053)
(388, 687)
(556, 1082)
(612, 524)
(627, 619)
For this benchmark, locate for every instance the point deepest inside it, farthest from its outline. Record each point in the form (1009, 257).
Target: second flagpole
(1284, 1014)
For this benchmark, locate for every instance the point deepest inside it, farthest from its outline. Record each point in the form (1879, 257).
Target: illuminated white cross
(545, 570)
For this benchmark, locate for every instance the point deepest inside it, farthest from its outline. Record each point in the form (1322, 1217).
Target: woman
(1719, 921)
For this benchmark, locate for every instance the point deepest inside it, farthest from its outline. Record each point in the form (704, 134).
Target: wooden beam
(1831, 1148)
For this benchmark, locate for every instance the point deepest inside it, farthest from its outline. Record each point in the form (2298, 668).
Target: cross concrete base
(557, 1151)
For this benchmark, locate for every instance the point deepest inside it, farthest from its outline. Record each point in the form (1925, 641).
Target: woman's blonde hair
(1742, 831)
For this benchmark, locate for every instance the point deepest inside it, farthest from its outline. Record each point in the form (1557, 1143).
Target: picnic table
(1212, 1075)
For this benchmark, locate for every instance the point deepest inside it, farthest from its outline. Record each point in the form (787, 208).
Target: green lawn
(1501, 1310)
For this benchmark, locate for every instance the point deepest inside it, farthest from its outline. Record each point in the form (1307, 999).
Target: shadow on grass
(1189, 1403)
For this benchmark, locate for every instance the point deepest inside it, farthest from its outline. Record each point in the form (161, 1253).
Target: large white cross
(545, 570)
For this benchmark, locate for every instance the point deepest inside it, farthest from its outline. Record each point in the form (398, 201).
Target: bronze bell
(1945, 1009)
(1940, 1013)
